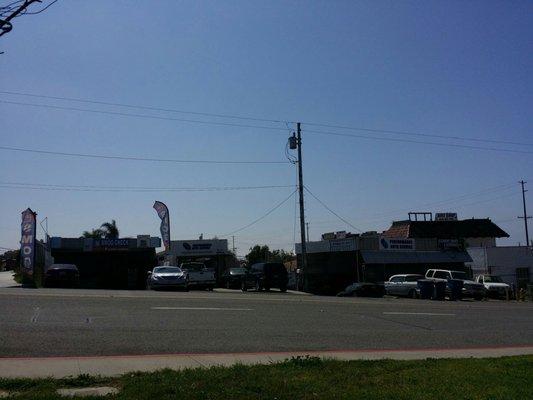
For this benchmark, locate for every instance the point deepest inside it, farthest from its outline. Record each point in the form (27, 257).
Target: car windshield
(413, 278)
(193, 266)
(493, 279)
(167, 270)
(459, 275)
(237, 271)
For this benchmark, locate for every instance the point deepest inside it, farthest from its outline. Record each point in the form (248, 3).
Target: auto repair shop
(108, 263)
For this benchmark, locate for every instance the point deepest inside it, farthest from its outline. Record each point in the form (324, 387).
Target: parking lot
(65, 322)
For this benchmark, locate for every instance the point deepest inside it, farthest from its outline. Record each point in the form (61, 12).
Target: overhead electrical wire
(246, 118)
(133, 158)
(94, 188)
(261, 217)
(331, 211)
(271, 128)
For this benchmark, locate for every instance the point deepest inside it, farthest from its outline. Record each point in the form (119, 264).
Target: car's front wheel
(412, 294)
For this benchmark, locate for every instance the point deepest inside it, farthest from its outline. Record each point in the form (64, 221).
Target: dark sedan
(232, 278)
(62, 275)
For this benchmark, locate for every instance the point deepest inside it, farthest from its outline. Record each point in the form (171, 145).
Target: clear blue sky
(451, 68)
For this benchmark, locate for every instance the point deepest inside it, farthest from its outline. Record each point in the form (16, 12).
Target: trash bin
(456, 289)
(439, 293)
(426, 288)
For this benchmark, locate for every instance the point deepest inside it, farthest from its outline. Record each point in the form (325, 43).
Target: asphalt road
(64, 322)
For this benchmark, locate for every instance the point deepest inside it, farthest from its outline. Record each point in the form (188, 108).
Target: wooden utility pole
(525, 217)
(302, 211)
(5, 24)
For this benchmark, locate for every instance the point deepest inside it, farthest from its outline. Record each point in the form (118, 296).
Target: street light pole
(525, 217)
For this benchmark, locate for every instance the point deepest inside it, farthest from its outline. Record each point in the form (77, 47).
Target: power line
(271, 128)
(133, 158)
(331, 211)
(147, 116)
(247, 118)
(89, 188)
(262, 217)
(140, 107)
(388, 139)
(409, 133)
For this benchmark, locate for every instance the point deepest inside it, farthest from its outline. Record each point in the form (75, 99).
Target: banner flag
(162, 211)
(27, 242)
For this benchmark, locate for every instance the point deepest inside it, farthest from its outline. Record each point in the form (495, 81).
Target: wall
(502, 261)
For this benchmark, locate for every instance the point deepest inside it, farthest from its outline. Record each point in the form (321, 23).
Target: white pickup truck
(494, 285)
(200, 277)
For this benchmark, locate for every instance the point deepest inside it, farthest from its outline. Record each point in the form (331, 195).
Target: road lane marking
(202, 308)
(35, 315)
(415, 313)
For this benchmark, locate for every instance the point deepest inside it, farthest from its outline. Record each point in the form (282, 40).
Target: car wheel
(210, 288)
(283, 289)
(412, 294)
(228, 286)
(478, 298)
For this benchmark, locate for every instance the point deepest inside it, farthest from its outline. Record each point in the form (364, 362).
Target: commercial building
(214, 253)
(409, 246)
(514, 264)
(121, 263)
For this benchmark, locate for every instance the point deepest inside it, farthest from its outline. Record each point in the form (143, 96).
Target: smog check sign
(27, 242)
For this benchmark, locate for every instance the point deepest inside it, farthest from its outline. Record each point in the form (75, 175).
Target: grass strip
(312, 378)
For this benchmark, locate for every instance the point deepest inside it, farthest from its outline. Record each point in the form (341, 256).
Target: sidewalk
(60, 367)
(7, 279)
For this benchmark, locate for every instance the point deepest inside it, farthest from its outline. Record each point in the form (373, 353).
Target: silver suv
(470, 288)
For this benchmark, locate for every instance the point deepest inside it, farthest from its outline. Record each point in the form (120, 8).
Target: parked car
(494, 286)
(403, 285)
(200, 277)
(265, 276)
(470, 288)
(169, 277)
(232, 278)
(363, 289)
(61, 275)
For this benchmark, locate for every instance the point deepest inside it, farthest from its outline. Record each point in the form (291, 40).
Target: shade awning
(414, 257)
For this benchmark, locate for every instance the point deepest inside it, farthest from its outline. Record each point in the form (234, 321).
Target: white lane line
(416, 313)
(202, 308)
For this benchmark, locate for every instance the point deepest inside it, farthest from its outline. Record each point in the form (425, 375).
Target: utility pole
(525, 217)
(302, 211)
(307, 227)
(233, 245)
(5, 23)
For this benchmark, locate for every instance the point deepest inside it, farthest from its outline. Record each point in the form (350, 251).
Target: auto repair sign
(27, 242)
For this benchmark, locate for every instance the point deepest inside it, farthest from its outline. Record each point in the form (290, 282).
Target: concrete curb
(61, 367)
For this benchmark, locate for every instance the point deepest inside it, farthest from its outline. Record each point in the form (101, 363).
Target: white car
(494, 285)
(403, 285)
(200, 277)
(167, 276)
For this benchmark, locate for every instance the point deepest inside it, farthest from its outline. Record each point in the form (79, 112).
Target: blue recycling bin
(439, 293)
(456, 289)
(426, 288)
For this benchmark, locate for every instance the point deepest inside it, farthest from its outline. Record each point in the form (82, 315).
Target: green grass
(311, 378)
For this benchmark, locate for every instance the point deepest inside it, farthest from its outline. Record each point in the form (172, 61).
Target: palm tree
(94, 233)
(109, 230)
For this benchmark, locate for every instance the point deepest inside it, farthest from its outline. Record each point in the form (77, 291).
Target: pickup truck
(200, 277)
(494, 285)
(470, 288)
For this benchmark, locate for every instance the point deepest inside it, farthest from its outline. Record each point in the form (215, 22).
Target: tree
(257, 254)
(260, 253)
(94, 233)
(107, 230)
(110, 230)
